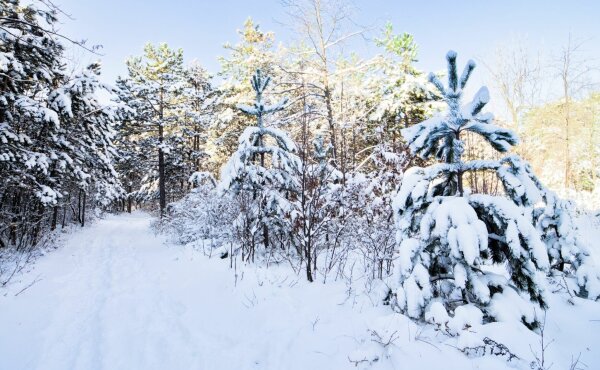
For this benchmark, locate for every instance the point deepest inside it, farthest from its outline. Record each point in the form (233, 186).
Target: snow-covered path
(98, 303)
(116, 296)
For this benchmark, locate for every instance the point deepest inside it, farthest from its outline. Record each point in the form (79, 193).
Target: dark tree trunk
(459, 174)
(54, 218)
(79, 206)
(64, 218)
(161, 179)
(83, 210)
(129, 199)
(309, 275)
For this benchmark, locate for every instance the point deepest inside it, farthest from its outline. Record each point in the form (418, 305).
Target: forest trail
(99, 303)
(118, 296)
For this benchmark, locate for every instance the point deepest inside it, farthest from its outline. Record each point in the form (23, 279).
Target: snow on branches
(450, 248)
(247, 168)
(440, 135)
(262, 173)
(458, 249)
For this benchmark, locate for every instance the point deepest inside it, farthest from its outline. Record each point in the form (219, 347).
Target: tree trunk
(83, 209)
(161, 159)
(161, 180)
(331, 123)
(79, 206)
(567, 182)
(129, 199)
(309, 275)
(64, 218)
(459, 174)
(54, 218)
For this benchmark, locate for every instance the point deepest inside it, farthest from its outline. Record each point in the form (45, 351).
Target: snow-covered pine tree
(85, 137)
(262, 172)
(30, 61)
(186, 139)
(152, 90)
(134, 156)
(55, 136)
(556, 221)
(457, 248)
(567, 249)
(254, 50)
(199, 113)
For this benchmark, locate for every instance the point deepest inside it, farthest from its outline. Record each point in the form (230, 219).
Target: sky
(201, 27)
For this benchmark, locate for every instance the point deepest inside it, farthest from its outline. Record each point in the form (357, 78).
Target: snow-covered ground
(117, 296)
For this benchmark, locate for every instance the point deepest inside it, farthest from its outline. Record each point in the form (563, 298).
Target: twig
(540, 359)
(6, 20)
(28, 286)
(315, 323)
(357, 362)
(575, 362)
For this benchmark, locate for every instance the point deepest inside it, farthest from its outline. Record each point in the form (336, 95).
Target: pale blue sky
(472, 28)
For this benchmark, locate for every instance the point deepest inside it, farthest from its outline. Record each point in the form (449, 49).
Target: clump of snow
(437, 314)
(467, 317)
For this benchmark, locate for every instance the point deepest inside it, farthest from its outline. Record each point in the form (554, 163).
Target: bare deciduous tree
(573, 71)
(516, 73)
(324, 25)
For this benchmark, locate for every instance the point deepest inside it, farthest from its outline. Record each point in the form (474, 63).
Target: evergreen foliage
(451, 242)
(262, 171)
(152, 92)
(55, 136)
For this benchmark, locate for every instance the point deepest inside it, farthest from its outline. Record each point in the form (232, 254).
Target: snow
(509, 306)
(117, 296)
(60, 101)
(408, 247)
(465, 232)
(465, 317)
(46, 195)
(481, 98)
(437, 314)
(261, 108)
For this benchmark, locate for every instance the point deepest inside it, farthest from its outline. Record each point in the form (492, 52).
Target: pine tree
(254, 50)
(556, 221)
(449, 238)
(152, 90)
(567, 250)
(398, 95)
(199, 112)
(440, 136)
(86, 137)
(28, 64)
(56, 137)
(262, 171)
(133, 162)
